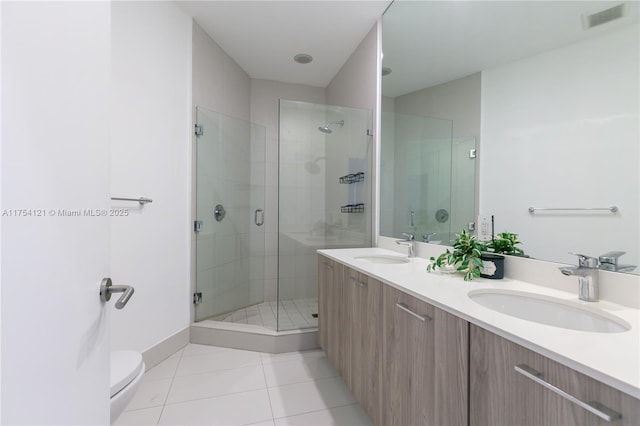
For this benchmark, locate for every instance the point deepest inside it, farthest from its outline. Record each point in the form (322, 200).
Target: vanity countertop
(612, 358)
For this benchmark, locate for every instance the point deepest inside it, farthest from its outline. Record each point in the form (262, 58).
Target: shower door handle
(219, 212)
(255, 217)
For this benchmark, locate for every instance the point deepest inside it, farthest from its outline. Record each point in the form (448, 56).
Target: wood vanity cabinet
(350, 330)
(500, 395)
(362, 304)
(425, 369)
(330, 320)
(409, 363)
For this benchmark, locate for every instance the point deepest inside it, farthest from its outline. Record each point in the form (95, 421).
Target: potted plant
(465, 257)
(503, 243)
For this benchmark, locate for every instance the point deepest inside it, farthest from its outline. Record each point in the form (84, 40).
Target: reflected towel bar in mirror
(612, 209)
(140, 200)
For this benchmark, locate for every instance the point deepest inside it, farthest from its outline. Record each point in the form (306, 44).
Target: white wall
(356, 82)
(544, 120)
(150, 155)
(219, 83)
(356, 86)
(457, 100)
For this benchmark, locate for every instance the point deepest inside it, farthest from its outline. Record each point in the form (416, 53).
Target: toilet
(127, 369)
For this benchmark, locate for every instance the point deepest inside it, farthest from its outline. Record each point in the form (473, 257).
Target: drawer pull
(594, 407)
(362, 283)
(405, 308)
(327, 265)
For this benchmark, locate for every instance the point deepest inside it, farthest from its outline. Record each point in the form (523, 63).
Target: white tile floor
(210, 385)
(294, 314)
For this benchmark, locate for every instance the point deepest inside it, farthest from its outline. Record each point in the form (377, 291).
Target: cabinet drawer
(511, 385)
(426, 364)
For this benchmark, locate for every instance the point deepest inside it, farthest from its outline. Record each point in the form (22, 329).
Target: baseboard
(163, 350)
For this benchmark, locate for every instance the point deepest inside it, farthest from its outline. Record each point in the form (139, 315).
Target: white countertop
(612, 358)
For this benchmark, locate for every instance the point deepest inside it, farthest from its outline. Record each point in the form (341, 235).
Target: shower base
(293, 314)
(254, 328)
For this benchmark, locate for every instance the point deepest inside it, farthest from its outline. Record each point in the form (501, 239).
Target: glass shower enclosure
(318, 190)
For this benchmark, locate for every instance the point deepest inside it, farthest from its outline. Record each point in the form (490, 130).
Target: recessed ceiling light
(303, 58)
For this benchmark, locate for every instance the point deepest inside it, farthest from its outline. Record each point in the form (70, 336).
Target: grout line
(316, 411)
(171, 384)
(266, 384)
(215, 396)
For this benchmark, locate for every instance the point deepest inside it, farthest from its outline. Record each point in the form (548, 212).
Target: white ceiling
(427, 43)
(263, 36)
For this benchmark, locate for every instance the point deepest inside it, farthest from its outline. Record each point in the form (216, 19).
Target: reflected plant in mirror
(505, 243)
(465, 257)
(531, 108)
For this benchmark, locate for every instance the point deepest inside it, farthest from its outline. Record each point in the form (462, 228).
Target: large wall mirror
(524, 111)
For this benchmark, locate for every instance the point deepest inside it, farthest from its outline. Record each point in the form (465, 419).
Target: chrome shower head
(326, 128)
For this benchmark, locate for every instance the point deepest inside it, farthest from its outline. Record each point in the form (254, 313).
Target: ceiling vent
(602, 17)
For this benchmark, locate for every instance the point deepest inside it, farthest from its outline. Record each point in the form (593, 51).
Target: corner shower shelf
(352, 178)
(352, 208)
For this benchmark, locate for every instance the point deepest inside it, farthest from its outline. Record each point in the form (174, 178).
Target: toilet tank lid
(125, 366)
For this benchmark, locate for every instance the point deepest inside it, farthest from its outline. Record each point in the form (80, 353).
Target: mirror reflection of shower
(326, 128)
(313, 167)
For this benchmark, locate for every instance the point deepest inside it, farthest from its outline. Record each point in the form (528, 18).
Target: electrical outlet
(484, 227)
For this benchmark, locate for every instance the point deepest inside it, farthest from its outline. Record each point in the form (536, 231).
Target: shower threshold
(252, 337)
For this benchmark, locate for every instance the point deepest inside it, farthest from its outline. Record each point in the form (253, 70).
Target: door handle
(107, 289)
(255, 217)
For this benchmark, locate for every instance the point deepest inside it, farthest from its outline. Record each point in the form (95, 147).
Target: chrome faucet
(587, 273)
(609, 262)
(409, 242)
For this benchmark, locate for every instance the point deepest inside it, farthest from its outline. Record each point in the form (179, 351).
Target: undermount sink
(382, 259)
(549, 311)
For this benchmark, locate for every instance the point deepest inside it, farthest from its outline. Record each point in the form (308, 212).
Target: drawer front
(511, 385)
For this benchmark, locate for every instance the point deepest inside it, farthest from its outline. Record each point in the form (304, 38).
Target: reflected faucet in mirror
(609, 262)
(426, 238)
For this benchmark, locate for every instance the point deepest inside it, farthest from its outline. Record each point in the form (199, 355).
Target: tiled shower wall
(303, 161)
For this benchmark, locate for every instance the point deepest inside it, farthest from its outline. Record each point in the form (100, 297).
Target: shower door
(230, 168)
